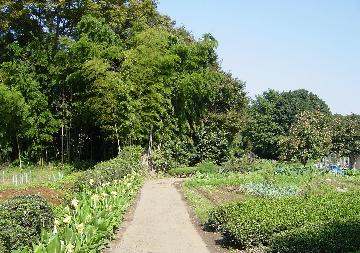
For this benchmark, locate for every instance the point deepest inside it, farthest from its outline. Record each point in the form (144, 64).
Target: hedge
(22, 219)
(115, 169)
(292, 224)
(203, 168)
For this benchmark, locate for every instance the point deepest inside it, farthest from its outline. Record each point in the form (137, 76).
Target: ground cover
(279, 209)
(86, 207)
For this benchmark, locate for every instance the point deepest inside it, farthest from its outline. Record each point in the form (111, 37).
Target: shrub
(203, 168)
(80, 165)
(183, 171)
(22, 219)
(337, 236)
(295, 170)
(115, 169)
(160, 160)
(352, 173)
(285, 224)
(207, 167)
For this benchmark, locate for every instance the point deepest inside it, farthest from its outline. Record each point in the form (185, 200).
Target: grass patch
(200, 204)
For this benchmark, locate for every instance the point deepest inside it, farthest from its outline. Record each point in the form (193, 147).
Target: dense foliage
(79, 80)
(272, 115)
(115, 169)
(346, 136)
(22, 220)
(309, 138)
(202, 168)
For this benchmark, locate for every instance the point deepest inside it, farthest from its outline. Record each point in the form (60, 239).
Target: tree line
(81, 79)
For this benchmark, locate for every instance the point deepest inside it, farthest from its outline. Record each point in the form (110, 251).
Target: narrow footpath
(161, 223)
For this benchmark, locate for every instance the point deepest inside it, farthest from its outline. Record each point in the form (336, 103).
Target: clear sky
(283, 44)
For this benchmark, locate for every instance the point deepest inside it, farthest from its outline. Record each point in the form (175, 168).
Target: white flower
(88, 218)
(69, 248)
(56, 222)
(95, 197)
(67, 219)
(80, 228)
(114, 193)
(55, 231)
(75, 203)
(91, 182)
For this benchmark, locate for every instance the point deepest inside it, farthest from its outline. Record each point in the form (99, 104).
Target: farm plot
(78, 213)
(278, 210)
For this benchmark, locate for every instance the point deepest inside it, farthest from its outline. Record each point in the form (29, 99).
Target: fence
(27, 178)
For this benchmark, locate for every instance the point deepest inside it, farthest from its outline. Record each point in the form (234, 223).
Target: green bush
(22, 219)
(352, 173)
(281, 223)
(115, 169)
(203, 168)
(160, 161)
(296, 170)
(81, 165)
(183, 171)
(335, 236)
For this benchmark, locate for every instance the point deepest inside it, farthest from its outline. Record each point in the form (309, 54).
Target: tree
(292, 103)
(13, 123)
(263, 129)
(272, 114)
(346, 136)
(95, 76)
(309, 138)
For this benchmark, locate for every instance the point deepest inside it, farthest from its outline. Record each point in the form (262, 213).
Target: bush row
(204, 168)
(115, 169)
(328, 223)
(89, 222)
(21, 221)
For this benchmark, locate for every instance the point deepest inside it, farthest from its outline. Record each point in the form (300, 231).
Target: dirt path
(161, 223)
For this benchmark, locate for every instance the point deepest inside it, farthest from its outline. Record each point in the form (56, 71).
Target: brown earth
(50, 195)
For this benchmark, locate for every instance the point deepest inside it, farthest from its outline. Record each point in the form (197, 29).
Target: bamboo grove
(81, 79)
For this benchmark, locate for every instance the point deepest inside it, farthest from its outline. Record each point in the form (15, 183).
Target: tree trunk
(62, 143)
(351, 161)
(19, 150)
(118, 139)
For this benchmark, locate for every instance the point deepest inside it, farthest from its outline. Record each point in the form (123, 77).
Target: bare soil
(50, 195)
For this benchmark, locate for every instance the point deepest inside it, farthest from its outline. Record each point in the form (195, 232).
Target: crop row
(328, 223)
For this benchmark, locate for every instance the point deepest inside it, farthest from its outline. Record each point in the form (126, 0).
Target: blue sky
(283, 44)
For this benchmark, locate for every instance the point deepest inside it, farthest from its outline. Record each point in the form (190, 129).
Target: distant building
(341, 161)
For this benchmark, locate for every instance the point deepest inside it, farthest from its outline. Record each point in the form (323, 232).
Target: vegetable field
(279, 208)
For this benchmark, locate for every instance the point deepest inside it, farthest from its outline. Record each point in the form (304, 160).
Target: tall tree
(309, 138)
(272, 115)
(346, 136)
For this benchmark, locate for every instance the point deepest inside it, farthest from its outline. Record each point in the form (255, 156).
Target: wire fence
(28, 178)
